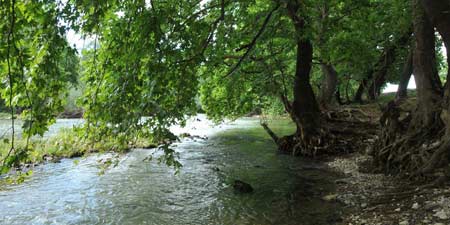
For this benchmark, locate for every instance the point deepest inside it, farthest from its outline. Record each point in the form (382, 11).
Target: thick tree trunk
(402, 91)
(408, 152)
(438, 11)
(329, 84)
(429, 89)
(305, 107)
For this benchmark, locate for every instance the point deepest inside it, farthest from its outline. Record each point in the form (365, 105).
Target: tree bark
(402, 91)
(429, 88)
(329, 84)
(438, 11)
(305, 108)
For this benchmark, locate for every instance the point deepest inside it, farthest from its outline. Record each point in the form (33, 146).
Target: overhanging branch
(250, 45)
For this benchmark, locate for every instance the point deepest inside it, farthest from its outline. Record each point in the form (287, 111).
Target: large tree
(424, 147)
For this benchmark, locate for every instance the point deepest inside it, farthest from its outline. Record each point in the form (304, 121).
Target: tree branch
(250, 46)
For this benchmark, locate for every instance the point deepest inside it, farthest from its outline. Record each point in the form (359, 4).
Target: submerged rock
(242, 187)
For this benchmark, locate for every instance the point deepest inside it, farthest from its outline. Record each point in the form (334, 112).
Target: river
(287, 190)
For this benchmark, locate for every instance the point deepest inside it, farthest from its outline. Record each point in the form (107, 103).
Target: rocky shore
(376, 199)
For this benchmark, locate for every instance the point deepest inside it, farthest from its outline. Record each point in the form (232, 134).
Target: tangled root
(409, 151)
(342, 131)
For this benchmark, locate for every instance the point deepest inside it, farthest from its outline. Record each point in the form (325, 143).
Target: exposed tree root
(342, 131)
(406, 150)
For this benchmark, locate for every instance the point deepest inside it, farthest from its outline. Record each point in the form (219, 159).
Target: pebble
(404, 223)
(441, 215)
(415, 206)
(397, 210)
(430, 205)
(329, 198)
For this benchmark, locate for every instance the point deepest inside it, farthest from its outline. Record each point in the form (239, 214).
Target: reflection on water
(287, 189)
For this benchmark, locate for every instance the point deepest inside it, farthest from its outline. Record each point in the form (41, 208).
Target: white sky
(75, 39)
(412, 83)
(393, 87)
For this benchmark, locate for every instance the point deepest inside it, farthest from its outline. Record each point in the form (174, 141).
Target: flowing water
(287, 190)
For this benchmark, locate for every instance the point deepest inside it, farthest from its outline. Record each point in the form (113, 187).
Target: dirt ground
(380, 199)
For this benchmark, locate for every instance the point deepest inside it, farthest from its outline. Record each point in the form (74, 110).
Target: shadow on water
(287, 190)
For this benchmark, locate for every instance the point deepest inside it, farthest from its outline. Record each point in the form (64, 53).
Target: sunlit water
(288, 190)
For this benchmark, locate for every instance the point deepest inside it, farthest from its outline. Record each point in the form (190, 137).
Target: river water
(287, 190)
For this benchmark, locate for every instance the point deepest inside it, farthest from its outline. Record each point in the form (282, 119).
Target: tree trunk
(438, 11)
(402, 91)
(329, 84)
(375, 88)
(338, 97)
(387, 59)
(424, 147)
(362, 86)
(429, 89)
(305, 107)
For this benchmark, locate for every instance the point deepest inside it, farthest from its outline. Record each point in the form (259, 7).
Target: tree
(424, 147)
(405, 77)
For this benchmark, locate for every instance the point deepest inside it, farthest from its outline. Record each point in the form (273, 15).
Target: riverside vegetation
(150, 65)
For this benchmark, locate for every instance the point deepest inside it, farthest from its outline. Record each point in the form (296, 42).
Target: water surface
(288, 190)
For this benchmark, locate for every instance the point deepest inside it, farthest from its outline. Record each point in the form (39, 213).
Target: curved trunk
(329, 84)
(402, 91)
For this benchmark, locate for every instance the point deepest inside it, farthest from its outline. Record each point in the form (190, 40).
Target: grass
(5, 116)
(67, 144)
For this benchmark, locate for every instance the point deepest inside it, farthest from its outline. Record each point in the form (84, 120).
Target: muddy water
(287, 190)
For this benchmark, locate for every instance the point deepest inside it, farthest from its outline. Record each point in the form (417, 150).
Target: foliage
(150, 62)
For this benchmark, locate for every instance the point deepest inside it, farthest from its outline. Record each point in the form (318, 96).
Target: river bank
(287, 190)
(384, 200)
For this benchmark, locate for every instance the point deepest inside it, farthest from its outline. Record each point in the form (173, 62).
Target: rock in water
(242, 187)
